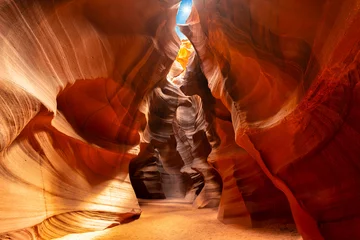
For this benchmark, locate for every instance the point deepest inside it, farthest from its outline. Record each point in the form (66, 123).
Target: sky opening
(182, 15)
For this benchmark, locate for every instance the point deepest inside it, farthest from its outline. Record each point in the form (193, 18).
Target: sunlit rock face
(73, 75)
(176, 135)
(288, 72)
(101, 103)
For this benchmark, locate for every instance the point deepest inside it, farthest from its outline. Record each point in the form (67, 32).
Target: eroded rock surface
(265, 96)
(73, 74)
(288, 73)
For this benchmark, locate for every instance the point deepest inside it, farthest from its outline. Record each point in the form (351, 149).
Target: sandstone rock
(258, 112)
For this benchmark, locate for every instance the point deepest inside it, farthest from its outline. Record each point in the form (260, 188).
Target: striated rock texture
(288, 73)
(98, 106)
(73, 74)
(176, 131)
(247, 191)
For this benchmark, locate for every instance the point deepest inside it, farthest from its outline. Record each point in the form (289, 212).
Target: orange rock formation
(258, 112)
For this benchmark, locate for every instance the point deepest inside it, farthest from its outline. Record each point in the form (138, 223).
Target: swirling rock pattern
(265, 95)
(247, 191)
(176, 125)
(291, 83)
(72, 80)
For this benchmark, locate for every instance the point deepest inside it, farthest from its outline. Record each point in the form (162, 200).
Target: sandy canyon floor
(175, 220)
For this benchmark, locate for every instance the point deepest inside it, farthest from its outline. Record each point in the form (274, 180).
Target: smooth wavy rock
(288, 73)
(146, 179)
(247, 191)
(175, 129)
(65, 180)
(101, 103)
(73, 74)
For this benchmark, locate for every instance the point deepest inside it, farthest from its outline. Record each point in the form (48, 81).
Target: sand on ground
(176, 220)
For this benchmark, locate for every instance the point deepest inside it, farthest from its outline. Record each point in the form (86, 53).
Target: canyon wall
(258, 113)
(288, 73)
(73, 75)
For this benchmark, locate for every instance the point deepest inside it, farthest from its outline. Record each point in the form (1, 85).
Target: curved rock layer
(73, 75)
(176, 126)
(247, 192)
(266, 96)
(288, 72)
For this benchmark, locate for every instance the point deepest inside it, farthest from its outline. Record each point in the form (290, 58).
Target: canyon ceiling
(258, 114)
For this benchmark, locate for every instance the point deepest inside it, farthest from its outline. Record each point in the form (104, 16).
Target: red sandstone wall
(288, 72)
(270, 99)
(65, 157)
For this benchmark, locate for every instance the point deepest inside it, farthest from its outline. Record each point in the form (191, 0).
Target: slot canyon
(169, 119)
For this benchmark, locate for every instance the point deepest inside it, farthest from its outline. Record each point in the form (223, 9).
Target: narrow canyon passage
(169, 119)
